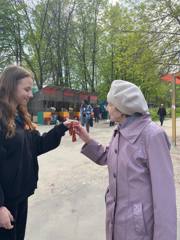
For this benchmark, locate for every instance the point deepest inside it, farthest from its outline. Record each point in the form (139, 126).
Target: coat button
(115, 151)
(114, 175)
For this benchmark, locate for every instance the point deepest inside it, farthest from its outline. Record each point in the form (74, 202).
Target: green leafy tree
(163, 20)
(11, 32)
(126, 53)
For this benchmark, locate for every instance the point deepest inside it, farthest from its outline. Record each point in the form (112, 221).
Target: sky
(113, 1)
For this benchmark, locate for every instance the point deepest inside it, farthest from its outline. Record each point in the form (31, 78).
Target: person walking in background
(96, 111)
(20, 144)
(140, 199)
(162, 113)
(86, 115)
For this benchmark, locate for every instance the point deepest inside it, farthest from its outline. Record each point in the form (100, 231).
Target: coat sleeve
(163, 188)
(48, 141)
(1, 196)
(96, 152)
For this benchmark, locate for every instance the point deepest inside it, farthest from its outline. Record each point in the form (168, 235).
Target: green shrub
(153, 113)
(178, 112)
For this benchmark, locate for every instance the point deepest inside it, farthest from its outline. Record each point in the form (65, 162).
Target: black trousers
(161, 120)
(19, 212)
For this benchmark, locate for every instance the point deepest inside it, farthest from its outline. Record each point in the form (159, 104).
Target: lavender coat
(140, 199)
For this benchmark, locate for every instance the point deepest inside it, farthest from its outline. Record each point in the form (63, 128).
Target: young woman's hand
(68, 123)
(83, 134)
(5, 218)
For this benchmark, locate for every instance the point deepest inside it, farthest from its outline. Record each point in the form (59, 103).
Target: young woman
(140, 198)
(20, 144)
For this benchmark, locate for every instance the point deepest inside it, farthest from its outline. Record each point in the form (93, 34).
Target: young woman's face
(115, 115)
(24, 91)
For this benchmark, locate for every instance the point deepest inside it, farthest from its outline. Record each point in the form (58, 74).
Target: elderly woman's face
(114, 114)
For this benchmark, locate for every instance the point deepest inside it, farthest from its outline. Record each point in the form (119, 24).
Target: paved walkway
(175, 153)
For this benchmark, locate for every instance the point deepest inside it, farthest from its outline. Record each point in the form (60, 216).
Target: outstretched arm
(83, 134)
(50, 140)
(92, 149)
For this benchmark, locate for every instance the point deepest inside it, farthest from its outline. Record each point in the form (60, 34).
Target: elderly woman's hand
(83, 134)
(70, 124)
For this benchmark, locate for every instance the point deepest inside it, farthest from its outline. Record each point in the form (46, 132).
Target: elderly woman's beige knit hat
(127, 97)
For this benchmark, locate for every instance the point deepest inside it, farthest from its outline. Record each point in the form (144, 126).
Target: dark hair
(9, 79)
(7, 124)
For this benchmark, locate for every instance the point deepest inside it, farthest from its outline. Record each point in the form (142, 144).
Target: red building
(62, 99)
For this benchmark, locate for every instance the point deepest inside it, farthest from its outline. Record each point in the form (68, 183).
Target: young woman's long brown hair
(9, 80)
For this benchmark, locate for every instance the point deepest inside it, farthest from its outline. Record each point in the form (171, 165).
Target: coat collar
(131, 129)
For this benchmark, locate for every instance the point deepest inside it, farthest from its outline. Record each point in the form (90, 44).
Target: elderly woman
(140, 198)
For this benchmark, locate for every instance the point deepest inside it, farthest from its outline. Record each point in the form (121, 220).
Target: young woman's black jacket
(18, 160)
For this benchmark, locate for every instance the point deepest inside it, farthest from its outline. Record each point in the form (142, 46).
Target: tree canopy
(86, 44)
